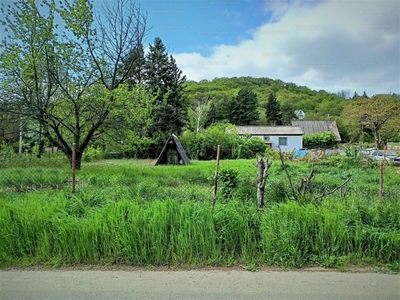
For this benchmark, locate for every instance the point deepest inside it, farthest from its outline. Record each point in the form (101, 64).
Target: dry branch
(332, 191)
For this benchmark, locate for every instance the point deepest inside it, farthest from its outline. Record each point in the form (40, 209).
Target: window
(283, 141)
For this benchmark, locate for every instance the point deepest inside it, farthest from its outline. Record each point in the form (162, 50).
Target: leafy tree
(68, 83)
(273, 111)
(243, 108)
(377, 116)
(211, 117)
(198, 114)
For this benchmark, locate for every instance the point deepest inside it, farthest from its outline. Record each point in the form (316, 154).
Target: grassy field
(131, 212)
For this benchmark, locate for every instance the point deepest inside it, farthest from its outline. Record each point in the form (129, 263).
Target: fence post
(73, 167)
(381, 173)
(216, 177)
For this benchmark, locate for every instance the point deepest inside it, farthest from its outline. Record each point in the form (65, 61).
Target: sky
(329, 45)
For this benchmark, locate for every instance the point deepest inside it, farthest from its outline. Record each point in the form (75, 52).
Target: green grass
(131, 212)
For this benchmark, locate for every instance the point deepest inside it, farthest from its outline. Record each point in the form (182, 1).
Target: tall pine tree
(287, 113)
(165, 80)
(243, 108)
(133, 65)
(273, 111)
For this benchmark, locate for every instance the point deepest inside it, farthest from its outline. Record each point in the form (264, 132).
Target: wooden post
(261, 179)
(73, 167)
(216, 177)
(381, 173)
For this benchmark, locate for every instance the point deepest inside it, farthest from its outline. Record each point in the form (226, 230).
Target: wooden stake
(261, 179)
(381, 173)
(216, 177)
(73, 167)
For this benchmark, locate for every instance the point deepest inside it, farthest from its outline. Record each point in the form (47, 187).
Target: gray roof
(269, 130)
(311, 127)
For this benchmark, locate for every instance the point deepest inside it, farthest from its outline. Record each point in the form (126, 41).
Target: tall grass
(133, 213)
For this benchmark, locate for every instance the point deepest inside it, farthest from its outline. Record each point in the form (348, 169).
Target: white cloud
(330, 45)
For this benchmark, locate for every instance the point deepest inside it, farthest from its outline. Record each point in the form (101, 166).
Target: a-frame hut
(173, 153)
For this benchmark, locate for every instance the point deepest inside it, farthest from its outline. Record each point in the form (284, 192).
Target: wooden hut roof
(173, 143)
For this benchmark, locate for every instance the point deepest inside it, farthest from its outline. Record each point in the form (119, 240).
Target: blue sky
(323, 44)
(197, 26)
(330, 45)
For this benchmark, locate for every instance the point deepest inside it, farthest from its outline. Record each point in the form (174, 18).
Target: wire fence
(138, 179)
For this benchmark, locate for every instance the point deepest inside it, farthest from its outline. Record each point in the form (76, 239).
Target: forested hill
(316, 104)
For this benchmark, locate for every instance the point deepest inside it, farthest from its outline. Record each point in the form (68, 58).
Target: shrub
(203, 146)
(319, 139)
(228, 179)
(92, 154)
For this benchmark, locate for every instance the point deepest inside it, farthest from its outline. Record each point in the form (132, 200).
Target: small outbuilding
(287, 138)
(173, 153)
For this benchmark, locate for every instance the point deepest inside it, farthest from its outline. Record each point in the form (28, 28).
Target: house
(288, 138)
(311, 127)
(173, 153)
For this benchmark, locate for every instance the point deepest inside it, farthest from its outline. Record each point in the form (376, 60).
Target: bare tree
(68, 82)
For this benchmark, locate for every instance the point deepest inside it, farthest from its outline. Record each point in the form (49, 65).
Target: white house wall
(293, 142)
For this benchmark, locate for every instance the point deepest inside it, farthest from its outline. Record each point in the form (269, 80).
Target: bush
(204, 145)
(92, 154)
(319, 139)
(250, 148)
(228, 179)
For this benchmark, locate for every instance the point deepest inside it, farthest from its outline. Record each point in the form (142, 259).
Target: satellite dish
(300, 114)
(266, 138)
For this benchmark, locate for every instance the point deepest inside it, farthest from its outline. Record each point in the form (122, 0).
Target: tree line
(71, 76)
(85, 79)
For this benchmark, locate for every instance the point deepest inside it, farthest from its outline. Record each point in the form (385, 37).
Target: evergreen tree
(166, 82)
(287, 113)
(133, 65)
(355, 96)
(243, 108)
(364, 95)
(273, 111)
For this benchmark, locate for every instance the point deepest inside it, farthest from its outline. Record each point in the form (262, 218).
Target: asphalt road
(198, 284)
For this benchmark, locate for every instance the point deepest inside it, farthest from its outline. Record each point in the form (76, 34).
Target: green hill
(317, 105)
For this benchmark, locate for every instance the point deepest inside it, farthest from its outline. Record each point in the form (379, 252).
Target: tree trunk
(261, 179)
(78, 159)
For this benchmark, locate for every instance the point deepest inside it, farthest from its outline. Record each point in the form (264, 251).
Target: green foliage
(243, 108)
(92, 154)
(203, 146)
(316, 104)
(228, 179)
(273, 112)
(166, 82)
(129, 212)
(250, 148)
(319, 139)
